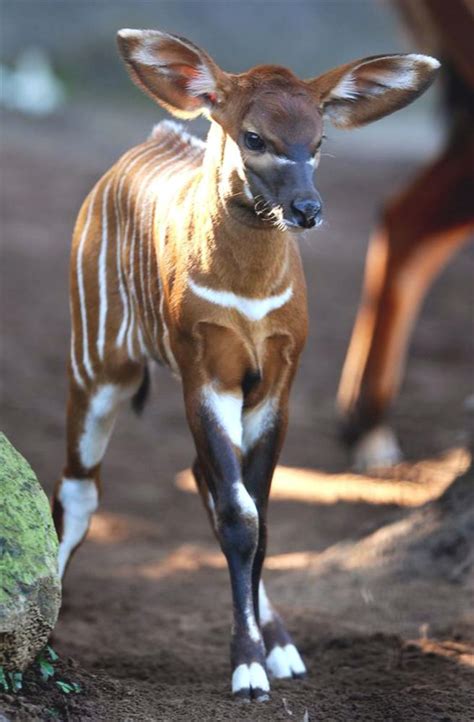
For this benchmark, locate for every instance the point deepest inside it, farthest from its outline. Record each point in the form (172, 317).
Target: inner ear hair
(378, 74)
(370, 88)
(172, 70)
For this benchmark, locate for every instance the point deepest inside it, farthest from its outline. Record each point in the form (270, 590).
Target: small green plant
(11, 681)
(16, 681)
(68, 687)
(46, 661)
(3, 680)
(52, 712)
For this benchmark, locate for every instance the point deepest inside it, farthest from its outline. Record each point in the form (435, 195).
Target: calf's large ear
(172, 70)
(370, 88)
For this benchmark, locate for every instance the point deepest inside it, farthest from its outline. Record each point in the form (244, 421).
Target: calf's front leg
(264, 429)
(214, 414)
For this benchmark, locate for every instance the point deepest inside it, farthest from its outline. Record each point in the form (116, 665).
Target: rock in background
(30, 589)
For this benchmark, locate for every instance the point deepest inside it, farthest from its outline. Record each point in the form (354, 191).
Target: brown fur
(421, 228)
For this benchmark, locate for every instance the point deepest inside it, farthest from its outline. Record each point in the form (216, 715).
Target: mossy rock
(30, 588)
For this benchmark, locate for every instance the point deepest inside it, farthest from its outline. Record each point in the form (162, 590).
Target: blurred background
(69, 110)
(76, 41)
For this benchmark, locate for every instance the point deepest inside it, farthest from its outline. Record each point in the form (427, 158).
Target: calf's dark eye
(253, 141)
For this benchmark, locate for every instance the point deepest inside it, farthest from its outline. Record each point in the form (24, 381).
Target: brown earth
(377, 592)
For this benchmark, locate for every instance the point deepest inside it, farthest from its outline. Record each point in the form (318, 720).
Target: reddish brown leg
(91, 415)
(420, 231)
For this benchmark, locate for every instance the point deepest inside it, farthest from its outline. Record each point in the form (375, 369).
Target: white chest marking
(252, 308)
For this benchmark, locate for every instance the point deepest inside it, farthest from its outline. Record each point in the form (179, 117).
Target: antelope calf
(186, 253)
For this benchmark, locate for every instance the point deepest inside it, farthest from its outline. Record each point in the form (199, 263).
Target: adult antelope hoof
(283, 659)
(377, 448)
(250, 682)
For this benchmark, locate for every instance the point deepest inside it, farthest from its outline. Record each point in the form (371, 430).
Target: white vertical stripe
(151, 253)
(146, 236)
(131, 221)
(141, 342)
(128, 320)
(162, 236)
(118, 248)
(143, 188)
(118, 216)
(125, 299)
(103, 275)
(155, 168)
(165, 338)
(147, 215)
(75, 370)
(80, 282)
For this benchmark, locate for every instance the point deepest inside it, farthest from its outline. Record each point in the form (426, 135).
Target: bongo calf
(186, 253)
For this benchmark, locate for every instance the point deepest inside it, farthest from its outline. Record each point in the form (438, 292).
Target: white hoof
(284, 662)
(379, 447)
(250, 680)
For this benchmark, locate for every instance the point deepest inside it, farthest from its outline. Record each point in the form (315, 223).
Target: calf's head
(272, 120)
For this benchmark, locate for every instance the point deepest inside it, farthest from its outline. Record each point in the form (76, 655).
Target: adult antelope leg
(91, 415)
(420, 231)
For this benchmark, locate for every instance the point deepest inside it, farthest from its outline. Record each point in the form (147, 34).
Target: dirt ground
(144, 629)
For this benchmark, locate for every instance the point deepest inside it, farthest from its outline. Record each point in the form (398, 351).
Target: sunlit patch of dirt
(456, 651)
(186, 558)
(404, 485)
(108, 528)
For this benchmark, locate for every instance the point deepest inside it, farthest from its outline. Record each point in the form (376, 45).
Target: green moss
(28, 541)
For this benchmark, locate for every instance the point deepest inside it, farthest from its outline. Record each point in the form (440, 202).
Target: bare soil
(377, 592)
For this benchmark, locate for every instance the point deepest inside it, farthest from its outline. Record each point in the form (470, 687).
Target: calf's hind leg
(91, 414)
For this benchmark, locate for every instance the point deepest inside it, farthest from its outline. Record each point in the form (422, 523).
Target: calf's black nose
(306, 211)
